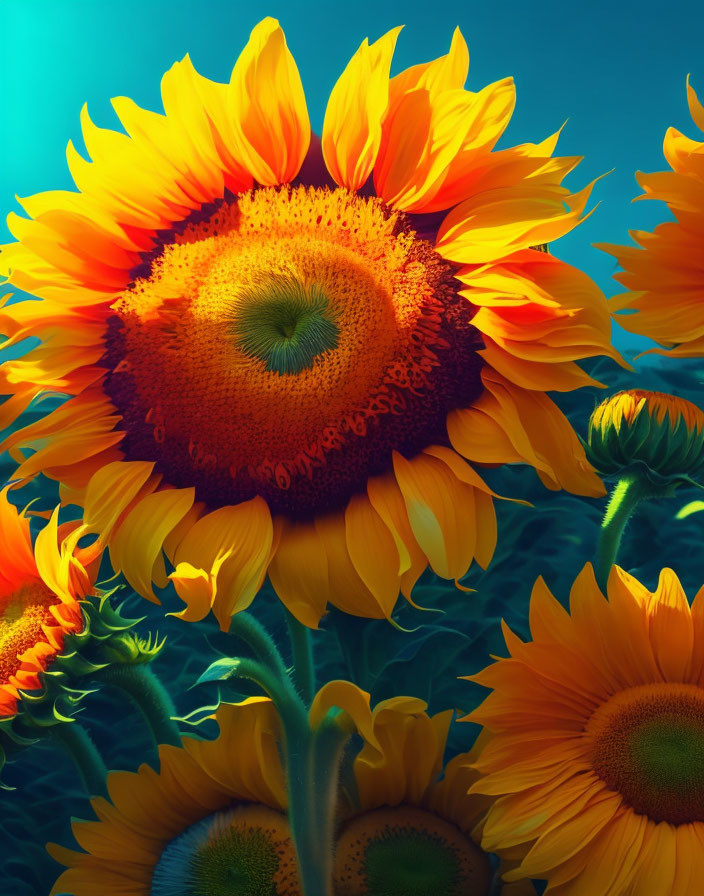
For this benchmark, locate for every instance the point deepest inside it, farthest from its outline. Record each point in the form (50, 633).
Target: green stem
(142, 686)
(248, 629)
(78, 744)
(628, 492)
(287, 702)
(303, 673)
(312, 761)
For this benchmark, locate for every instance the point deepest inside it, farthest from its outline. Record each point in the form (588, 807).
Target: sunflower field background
(617, 74)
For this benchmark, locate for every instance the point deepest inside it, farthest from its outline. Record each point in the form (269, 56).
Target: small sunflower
(211, 820)
(415, 830)
(594, 755)
(279, 352)
(40, 590)
(664, 274)
(636, 429)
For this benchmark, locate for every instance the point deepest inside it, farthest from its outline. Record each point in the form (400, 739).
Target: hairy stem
(627, 494)
(143, 687)
(303, 673)
(78, 744)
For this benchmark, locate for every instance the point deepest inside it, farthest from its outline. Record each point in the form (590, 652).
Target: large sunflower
(664, 274)
(39, 592)
(279, 351)
(595, 754)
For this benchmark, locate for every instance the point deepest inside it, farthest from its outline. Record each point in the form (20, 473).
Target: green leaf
(225, 667)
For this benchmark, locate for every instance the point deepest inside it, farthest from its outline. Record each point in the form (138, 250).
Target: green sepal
(106, 638)
(666, 450)
(662, 485)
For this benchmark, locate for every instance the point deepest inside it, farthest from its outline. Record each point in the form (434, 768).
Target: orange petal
(18, 563)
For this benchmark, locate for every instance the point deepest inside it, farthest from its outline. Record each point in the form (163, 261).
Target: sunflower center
(22, 615)
(284, 345)
(246, 851)
(285, 324)
(408, 852)
(648, 744)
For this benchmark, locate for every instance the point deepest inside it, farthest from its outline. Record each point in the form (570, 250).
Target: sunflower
(212, 820)
(595, 741)
(39, 592)
(664, 274)
(659, 433)
(279, 352)
(414, 829)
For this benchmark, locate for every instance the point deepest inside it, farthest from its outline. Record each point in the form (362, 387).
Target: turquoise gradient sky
(615, 69)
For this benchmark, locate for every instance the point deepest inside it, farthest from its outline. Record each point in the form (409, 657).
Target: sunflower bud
(659, 435)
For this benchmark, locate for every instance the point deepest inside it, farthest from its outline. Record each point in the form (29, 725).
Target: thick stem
(150, 695)
(303, 672)
(312, 762)
(628, 492)
(312, 766)
(253, 633)
(78, 744)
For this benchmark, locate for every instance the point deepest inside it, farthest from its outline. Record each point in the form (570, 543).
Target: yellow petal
(441, 510)
(197, 588)
(347, 590)
(372, 551)
(446, 73)
(498, 222)
(299, 572)
(387, 500)
(353, 701)
(110, 491)
(238, 540)
(272, 132)
(355, 111)
(138, 542)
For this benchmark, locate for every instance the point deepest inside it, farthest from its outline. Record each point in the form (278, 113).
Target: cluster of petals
(40, 590)
(564, 809)
(663, 274)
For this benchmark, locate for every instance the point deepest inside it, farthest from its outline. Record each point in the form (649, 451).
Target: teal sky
(615, 69)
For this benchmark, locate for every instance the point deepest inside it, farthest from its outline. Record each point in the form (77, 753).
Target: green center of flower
(405, 861)
(237, 863)
(246, 851)
(649, 747)
(408, 852)
(285, 323)
(670, 754)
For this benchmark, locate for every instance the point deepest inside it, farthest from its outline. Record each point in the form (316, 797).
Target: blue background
(616, 69)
